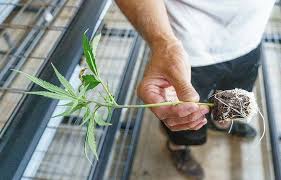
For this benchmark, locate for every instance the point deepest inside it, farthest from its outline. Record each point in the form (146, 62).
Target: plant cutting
(224, 108)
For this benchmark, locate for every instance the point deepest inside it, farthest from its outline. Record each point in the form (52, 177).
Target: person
(197, 47)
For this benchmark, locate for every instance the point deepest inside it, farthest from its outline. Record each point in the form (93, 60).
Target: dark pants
(238, 73)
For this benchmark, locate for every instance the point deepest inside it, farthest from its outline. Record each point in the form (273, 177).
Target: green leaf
(76, 106)
(95, 43)
(64, 82)
(86, 149)
(44, 84)
(66, 104)
(109, 112)
(82, 91)
(90, 81)
(88, 52)
(86, 117)
(51, 95)
(100, 121)
(65, 113)
(91, 137)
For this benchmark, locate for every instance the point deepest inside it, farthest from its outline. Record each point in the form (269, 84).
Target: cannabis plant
(78, 100)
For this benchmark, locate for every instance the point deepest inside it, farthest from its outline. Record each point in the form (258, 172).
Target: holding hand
(168, 78)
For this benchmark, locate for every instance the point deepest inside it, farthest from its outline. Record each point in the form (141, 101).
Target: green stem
(108, 93)
(149, 105)
(115, 105)
(159, 105)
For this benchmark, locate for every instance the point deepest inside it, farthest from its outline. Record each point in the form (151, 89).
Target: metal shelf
(271, 67)
(26, 124)
(55, 149)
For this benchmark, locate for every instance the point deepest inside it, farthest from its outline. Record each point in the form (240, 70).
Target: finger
(184, 109)
(178, 76)
(163, 113)
(188, 116)
(194, 116)
(152, 92)
(199, 126)
(170, 94)
(177, 121)
(198, 114)
(187, 119)
(188, 126)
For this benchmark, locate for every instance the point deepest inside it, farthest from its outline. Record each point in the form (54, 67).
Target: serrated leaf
(50, 95)
(74, 105)
(109, 113)
(100, 121)
(86, 149)
(64, 82)
(95, 43)
(82, 91)
(86, 117)
(44, 84)
(91, 137)
(63, 114)
(90, 81)
(66, 104)
(71, 110)
(88, 52)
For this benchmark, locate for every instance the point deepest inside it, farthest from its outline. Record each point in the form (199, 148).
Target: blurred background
(34, 33)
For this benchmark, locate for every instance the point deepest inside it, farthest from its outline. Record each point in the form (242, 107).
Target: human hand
(168, 77)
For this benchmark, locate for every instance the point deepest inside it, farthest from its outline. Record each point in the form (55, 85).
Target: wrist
(171, 48)
(163, 43)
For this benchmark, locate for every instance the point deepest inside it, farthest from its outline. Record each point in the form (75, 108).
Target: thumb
(184, 89)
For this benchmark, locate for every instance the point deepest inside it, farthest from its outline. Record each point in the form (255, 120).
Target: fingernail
(205, 121)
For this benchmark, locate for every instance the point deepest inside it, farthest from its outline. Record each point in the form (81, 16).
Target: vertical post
(272, 112)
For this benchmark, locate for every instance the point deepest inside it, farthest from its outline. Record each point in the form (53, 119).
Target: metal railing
(271, 69)
(65, 53)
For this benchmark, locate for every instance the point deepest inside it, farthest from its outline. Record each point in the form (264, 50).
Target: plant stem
(115, 105)
(108, 92)
(159, 105)
(149, 105)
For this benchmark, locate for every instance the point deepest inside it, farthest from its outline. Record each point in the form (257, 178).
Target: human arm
(168, 68)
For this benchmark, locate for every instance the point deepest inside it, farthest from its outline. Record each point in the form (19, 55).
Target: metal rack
(272, 68)
(50, 35)
(53, 148)
(120, 164)
(22, 35)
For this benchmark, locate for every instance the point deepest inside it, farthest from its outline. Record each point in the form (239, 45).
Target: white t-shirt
(214, 31)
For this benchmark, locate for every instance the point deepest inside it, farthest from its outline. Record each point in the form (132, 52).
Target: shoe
(238, 128)
(186, 164)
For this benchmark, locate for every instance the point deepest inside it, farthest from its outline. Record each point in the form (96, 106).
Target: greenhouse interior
(129, 143)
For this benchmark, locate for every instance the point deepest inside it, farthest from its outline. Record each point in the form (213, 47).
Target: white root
(263, 123)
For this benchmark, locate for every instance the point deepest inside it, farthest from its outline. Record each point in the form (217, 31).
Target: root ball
(235, 104)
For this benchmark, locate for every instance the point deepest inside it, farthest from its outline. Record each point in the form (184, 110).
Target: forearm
(150, 19)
